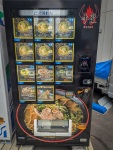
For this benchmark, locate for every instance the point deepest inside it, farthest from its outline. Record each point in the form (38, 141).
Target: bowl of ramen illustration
(63, 26)
(43, 50)
(24, 72)
(43, 26)
(25, 50)
(63, 50)
(23, 26)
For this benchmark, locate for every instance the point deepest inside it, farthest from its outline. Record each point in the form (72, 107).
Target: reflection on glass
(64, 109)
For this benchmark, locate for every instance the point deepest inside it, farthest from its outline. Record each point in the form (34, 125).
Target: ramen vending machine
(52, 49)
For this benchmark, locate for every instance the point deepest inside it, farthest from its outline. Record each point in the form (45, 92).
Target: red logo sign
(89, 16)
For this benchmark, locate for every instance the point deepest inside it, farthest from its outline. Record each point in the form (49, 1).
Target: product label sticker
(64, 73)
(26, 73)
(69, 94)
(24, 52)
(45, 93)
(64, 28)
(64, 52)
(22, 28)
(84, 63)
(44, 28)
(81, 126)
(44, 52)
(27, 93)
(45, 73)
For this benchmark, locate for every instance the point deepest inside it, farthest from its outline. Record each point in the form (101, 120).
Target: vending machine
(52, 49)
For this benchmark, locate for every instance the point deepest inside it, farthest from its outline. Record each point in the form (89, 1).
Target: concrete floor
(101, 130)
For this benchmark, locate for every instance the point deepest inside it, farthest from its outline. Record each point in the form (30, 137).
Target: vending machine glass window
(52, 54)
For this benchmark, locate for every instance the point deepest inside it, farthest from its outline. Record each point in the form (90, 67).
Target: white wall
(105, 43)
(0, 1)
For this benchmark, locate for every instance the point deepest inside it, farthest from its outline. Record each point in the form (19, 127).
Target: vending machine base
(13, 146)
